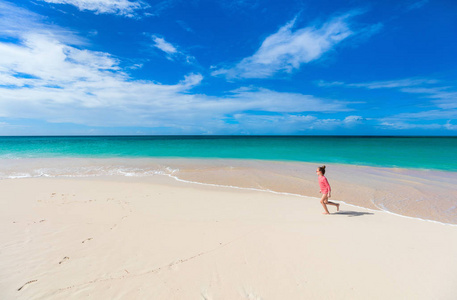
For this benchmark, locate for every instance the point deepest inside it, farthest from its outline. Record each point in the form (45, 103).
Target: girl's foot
(325, 213)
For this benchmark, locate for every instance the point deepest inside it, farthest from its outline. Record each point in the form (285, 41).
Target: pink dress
(323, 183)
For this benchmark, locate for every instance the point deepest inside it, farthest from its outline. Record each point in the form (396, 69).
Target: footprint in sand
(64, 260)
(174, 265)
(88, 239)
(28, 282)
(34, 222)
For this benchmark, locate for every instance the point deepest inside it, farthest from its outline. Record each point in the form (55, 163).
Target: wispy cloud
(429, 115)
(268, 100)
(450, 126)
(185, 26)
(289, 48)
(401, 125)
(286, 123)
(239, 5)
(163, 45)
(416, 4)
(436, 119)
(16, 21)
(393, 83)
(423, 120)
(170, 50)
(44, 70)
(118, 7)
(408, 82)
(444, 97)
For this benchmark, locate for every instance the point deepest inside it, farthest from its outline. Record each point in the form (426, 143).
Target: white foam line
(298, 195)
(415, 218)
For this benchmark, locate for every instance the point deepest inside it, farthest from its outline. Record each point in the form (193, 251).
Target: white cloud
(170, 50)
(16, 21)
(450, 126)
(429, 115)
(45, 78)
(119, 7)
(420, 120)
(399, 83)
(287, 49)
(393, 83)
(163, 45)
(387, 84)
(268, 100)
(286, 123)
(401, 125)
(323, 83)
(353, 120)
(46, 61)
(443, 97)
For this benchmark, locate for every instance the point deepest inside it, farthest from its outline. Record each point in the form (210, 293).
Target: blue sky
(95, 67)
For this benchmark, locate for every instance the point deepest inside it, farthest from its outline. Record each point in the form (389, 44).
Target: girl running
(325, 190)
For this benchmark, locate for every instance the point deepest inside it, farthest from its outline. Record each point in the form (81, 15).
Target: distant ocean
(434, 153)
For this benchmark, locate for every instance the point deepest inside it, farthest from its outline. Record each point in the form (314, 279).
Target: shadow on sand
(352, 213)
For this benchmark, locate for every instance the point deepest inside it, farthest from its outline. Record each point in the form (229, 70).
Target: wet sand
(424, 194)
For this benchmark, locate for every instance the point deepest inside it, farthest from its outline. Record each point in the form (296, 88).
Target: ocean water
(434, 153)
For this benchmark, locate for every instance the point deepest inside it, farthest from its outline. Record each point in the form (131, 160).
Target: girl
(325, 190)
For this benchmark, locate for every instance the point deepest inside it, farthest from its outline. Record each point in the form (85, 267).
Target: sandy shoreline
(157, 238)
(424, 194)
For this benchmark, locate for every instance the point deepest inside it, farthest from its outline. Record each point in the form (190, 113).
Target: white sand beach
(158, 238)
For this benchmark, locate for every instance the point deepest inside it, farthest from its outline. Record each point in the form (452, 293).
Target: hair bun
(323, 167)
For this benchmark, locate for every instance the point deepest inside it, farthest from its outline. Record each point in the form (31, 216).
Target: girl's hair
(322, 169)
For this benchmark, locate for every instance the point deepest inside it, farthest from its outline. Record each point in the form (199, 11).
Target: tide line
(303, 196)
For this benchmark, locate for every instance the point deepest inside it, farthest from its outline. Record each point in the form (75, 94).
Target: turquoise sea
(435, 153)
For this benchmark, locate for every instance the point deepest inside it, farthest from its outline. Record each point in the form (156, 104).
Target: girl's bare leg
(332, 203)
(324, 200)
